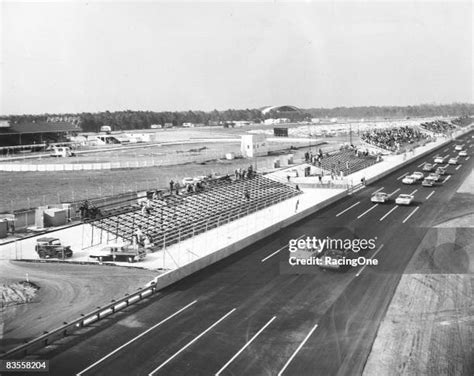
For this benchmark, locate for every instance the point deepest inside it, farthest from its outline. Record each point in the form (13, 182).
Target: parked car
(428, 167)
(379, 197)
(49, 247)
(441, 171)
(418, 175)
(330, 260)
(463, 153)
(409, 179)
(428, 182)
(459, 147)
(435, 176)
(453, 161)
(439, 159)
(404, 199)
(119, 252)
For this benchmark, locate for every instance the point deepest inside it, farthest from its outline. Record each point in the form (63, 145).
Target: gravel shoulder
(65, 291)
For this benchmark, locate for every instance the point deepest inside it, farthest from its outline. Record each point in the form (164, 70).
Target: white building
(253, 145)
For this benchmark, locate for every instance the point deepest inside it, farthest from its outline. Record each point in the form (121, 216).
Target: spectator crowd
(438, 126)
(393, 139)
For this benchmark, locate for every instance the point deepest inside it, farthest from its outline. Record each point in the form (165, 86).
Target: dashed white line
(245, 346)
(297, 350)
(421, 164)
(467, 158)
(378, 190)
(364, 213)
(377, 251)
(395, 191)
(386, 215)
(431, 194)
(416, 190)
(409, 215)
(447, 178)
(457, 168)
(279, 250)
(190, 343)
(350, 207)
(134, 339)
(446, 149)
(400, 177)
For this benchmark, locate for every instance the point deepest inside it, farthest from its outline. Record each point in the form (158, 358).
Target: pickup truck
(119, 252)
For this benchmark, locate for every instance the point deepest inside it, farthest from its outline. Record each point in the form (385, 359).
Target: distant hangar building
(282, 109)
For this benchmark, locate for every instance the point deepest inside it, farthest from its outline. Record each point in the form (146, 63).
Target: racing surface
(244, 316)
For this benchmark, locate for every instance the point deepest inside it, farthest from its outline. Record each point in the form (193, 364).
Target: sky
(76, 56)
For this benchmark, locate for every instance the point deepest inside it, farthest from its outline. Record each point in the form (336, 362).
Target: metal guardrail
(85, 319)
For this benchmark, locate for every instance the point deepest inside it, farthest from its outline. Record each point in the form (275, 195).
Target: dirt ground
(429, 325)
(65, 291)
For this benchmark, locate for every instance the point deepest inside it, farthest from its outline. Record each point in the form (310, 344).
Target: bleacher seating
(393, 139)
(178, 217)
(346, 161)
(462, 121)
(438, 126)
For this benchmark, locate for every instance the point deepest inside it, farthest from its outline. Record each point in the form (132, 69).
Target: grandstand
(438, 127)
(174, 218)
(347, 161)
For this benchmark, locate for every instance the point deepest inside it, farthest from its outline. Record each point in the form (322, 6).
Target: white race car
(439, 159)
(458, 147)
(436, 177)
(428, 167)
(409, 179)
(379, 197)
(453, 161)
(404, 199)
(462, 153)
(428, 182)
(418, 175)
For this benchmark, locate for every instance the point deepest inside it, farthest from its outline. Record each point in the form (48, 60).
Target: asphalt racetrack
(252, 315)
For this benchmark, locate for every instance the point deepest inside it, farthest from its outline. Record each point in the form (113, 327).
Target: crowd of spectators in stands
(462, 121)
(393, 139)
(438, 126)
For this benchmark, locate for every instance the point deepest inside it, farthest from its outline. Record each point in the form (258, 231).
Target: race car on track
(453, 161)
(428, 167)
(462, 153)
(458, 147)
(409, 179)
(404, 199)
(379, 197)
(435, 176)
(428, 182)
(418, 175)
(439, 159)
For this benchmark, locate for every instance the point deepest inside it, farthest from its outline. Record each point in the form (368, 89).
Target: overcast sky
(74, 56)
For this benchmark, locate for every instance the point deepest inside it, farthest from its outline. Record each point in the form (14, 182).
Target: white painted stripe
(350, 207)
(371, 258)
(364, 213)
(447, 178)
(457, 168)
(416, 190)
(279, 250)
(431, 194)
(134, 339)
(190, 343)
(401, 177)
(386, 215)
(421, 164)
(395, 191)
(378, 190)
(245, 346)
(413, 212)
(297, 350)
(446, 149)
(467, 158)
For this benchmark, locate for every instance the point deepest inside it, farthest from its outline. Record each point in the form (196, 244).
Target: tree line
(124, 120)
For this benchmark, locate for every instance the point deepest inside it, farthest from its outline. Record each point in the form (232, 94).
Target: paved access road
(243, 316)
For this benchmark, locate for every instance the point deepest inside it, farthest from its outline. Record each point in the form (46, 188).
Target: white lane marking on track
(395, 191)
(378, 190)
(409, 215)
(279, 250)
(400, 177)
(245, 346)
(447, 178)
(190, 343)
(431, 194)
(457, 168)
(467, 158)
(416, 190)
(386, 215)
(135, 338)
(350, 207)
(446, 149)
(297, 350)
(364, 213)
(421, 164)
(377, 251)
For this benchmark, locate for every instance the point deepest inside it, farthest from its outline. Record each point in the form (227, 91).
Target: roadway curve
(245, 317)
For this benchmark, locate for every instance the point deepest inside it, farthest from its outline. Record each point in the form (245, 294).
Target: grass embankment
(17, 293)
